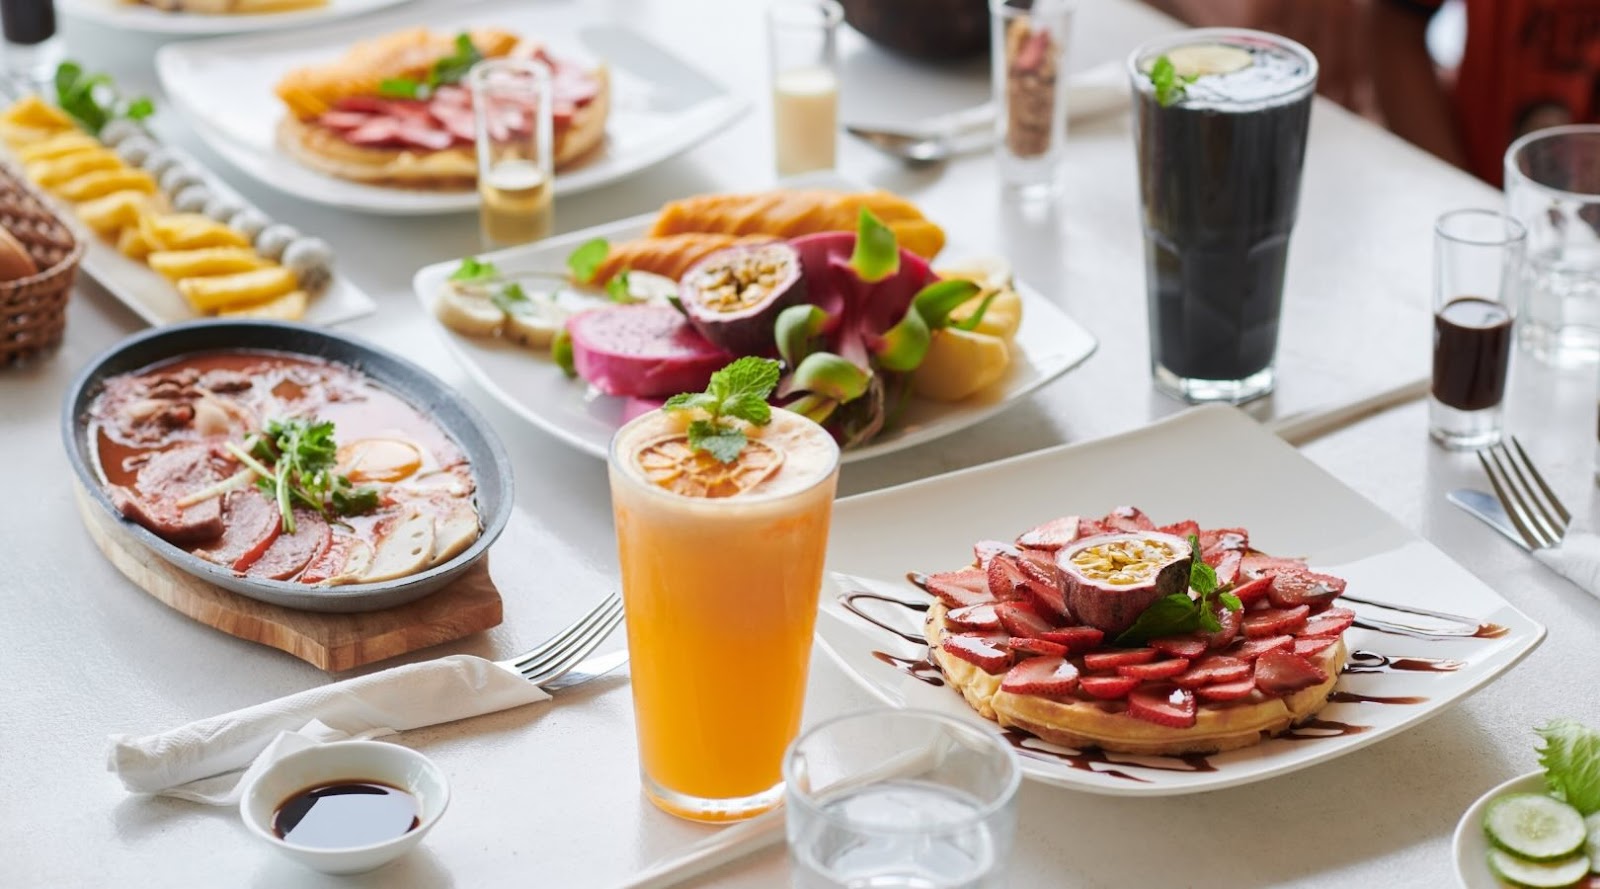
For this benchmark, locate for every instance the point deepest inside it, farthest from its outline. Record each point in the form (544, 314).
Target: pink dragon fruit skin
(859, 313)
(642, 351)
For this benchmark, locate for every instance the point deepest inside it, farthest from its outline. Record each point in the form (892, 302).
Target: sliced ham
(161, 483)
(251, 524)
(288, 554)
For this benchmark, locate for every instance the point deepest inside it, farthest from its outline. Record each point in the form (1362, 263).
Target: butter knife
(1487, 509)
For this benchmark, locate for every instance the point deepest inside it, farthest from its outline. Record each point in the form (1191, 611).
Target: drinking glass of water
(1553, 187)
(900, 799)
(511, 108)
(1477, 276)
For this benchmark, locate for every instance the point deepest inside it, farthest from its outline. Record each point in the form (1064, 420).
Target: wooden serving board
(333, 642)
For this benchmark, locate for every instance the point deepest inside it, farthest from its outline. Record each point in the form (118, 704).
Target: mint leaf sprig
(92, 99)
(452, 68)
(736, 392)
(1179, 613)
(1170, 86)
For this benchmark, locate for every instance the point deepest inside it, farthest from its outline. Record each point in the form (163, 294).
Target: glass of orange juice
(721, 567)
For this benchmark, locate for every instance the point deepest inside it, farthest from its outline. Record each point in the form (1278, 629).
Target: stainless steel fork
(566, 649)
(1532, 507)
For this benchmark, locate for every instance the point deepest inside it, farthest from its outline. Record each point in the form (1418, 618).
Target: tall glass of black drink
(1478, 258)
(32, 49)
(1221, 137)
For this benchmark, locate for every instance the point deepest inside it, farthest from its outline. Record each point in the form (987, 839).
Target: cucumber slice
(1593, 824)
(1537, 874)
(1534, 826)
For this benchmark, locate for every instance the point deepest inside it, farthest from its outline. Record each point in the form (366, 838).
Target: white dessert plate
(157, 301)
(132, 16)
(1471, 847)
(1405, 667)
(1048, 344)
(661, 105)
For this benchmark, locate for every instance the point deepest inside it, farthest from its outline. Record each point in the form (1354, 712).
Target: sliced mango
(289, 307)
(133, 244)
(189, 231)
(53, 172)
(959, 364)
(240, 289)
(178, 264)
(1001, 319)
(100, 183)
(60, 145)
(110, 214)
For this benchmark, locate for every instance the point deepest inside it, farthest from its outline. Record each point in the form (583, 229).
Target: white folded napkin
(1577, 559)
(205, 761)
(1095, 91)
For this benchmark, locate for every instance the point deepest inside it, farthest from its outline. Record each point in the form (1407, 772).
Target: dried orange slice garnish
(672, 464)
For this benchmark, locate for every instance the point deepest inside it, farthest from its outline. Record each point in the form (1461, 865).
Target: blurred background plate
(129, 16)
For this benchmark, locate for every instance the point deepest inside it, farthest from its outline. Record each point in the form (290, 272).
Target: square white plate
(661, 105)
(131, 16)
(1048, 344)
(1217, 466)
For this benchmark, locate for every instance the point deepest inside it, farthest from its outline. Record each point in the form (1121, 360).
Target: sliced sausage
(288, 554)
(251, 523)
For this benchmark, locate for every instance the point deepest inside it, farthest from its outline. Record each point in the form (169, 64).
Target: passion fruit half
(733, 296)
(1110, 579)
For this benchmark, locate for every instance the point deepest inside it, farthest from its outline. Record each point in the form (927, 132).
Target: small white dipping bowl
(342, 761)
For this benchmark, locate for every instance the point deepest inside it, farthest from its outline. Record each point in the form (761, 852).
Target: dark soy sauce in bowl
(346, 815)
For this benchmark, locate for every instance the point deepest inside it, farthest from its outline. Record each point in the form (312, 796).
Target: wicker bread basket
(33, 310)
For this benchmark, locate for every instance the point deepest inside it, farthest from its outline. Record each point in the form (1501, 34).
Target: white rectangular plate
(128, 16)
(1217, 466)
(1047, 345)
(661, 105)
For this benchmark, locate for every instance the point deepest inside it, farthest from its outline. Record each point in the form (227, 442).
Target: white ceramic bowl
(374, 761)
(1472, 847)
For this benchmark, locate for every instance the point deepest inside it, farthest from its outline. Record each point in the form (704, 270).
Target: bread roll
(15, 262)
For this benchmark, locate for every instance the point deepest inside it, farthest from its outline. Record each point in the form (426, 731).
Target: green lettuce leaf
(1571, 760)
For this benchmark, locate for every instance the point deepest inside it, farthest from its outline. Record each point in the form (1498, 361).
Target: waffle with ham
(1006, 631)
(341, 123)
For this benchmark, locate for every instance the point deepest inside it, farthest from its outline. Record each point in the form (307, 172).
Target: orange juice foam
(721, 597)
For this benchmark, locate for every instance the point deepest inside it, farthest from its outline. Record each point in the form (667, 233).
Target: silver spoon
(932, 140)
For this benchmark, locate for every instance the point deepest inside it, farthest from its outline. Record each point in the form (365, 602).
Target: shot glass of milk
(804, 63)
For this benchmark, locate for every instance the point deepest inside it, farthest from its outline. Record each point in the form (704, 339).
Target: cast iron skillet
(490, 467)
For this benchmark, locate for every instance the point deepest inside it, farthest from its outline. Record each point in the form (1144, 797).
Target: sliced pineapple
(133, 244)
(189, 231)
(110, 214)
(1002, 318)
(289, 307)
(199, 263)
(58, 146)
(219, 292)
(31, 120)
(100, 183)
(55, 171)
(959, 364)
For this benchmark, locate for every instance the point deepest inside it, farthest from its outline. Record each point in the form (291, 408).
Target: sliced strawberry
(1005, 578)
(1042, 585)
(1128, 518)
(1051, 535)
(1184, 529)
(1253, 590)
(958, 589)
(974, 617)
(1226, 566)
(1189, 646)
(1212, 670)
(1075, 638)
(1108, 688)
(1052, 676)
(1330, 623)
(1230, 622)
(1163, 704)
(1091, 528)
(1121, 657)
(1284, 672)
(1019, 619)
(985, 550)
(1224, 539)
(1227, 691)
(1307, 646)
(1275, 621)
(1024, 647)
(983, 652)
(1256, 564)
(1156, 669)
(1250, 649)
(1302, 587)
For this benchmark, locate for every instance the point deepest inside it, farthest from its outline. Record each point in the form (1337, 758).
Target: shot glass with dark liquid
(1477, 256)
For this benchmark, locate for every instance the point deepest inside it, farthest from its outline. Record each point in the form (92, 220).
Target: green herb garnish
(620, 290)
(452, 68)
(1571, 760)
(561, 352)
(92, 99)
(1170, 86)
(737, 392)
(511, 299)
(1178, 613)
(584, 262)
(295, 459)
(400, 88)
(473, 270)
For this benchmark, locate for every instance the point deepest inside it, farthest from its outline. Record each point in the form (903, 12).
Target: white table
(547, 795)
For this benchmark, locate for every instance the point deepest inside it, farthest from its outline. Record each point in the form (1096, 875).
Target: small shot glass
(1029, 59)
(1477, 276)
(900, 798)
(511, 108)
(803, 54)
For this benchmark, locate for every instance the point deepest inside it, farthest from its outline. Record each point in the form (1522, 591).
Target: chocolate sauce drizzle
(1464, 627)
(1315, 729)
(1098, 762)
(1350, 697)
(849, 600)
(922, 669)
(1372, 662)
